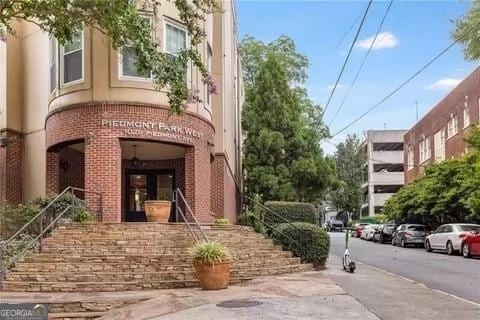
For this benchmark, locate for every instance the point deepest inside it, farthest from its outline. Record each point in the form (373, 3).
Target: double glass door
(143, 185)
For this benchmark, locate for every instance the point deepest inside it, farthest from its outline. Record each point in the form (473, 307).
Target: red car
(471, 244)
(357, 229)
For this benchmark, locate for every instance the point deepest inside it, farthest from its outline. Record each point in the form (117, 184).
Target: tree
(349, 159)
(283, 158)
(448, 191)
(467, 31)
(122, 24)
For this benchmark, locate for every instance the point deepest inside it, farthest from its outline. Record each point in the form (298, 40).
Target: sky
(413, 33)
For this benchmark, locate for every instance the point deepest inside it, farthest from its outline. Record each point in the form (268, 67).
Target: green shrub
(15, 216)
(251, 220)
(221, 222)
(83, 216)
(312, 242)
(210, 252)
(292, 211)
(15, 247)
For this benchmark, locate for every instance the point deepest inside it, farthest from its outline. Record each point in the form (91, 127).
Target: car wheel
(427, 246)
(466, 250)
(450, 250)
(381, 239)
(402, 243)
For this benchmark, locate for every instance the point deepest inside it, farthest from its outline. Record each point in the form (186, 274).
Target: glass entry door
(142, 185)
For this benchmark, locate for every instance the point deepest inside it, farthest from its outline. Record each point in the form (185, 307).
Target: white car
(449, 237)
(368, 232)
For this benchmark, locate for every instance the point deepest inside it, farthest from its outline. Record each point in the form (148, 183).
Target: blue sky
(414, 32)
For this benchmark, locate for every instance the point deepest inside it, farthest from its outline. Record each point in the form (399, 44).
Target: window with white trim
(174, 41)
(452, 127)
(128, 59)
(209, 68)
(466, 117)
(53, 63)
(410, 158)
(72, 59)
(425, 149)
(439, 144)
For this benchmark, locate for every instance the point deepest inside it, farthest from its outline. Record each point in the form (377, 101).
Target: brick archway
(102, 126)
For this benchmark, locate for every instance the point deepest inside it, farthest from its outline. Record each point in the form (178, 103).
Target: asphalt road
(451, 274)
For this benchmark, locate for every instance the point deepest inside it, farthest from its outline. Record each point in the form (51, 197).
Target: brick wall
(437, 118)
(11, 167)
(71, 168)
(103, 171)
(225, 195)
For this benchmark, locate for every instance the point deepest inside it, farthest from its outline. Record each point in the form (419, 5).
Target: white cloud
(444, 84)
(384, 40)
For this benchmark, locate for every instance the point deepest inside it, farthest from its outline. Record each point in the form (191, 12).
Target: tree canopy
(467, 31)
(448, 191)
(122, 24)
(349, 160)
(283, 158)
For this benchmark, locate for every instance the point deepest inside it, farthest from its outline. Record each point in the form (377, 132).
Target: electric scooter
(348, 264)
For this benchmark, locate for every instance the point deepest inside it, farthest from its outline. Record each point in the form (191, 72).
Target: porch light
(135, 160)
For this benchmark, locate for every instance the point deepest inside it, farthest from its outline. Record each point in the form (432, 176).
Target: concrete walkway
(308, 295)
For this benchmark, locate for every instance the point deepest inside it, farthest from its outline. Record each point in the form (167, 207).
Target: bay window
(175, 40)
(53, 63)
(72, 59)
(128, 60)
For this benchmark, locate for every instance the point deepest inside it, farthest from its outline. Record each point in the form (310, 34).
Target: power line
(362, 64)
(408, 80)
(348, 31)
(347, 58)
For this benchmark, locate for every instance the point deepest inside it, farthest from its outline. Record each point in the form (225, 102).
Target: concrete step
(187, 274)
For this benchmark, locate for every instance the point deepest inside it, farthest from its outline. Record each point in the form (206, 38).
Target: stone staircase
(140, 256)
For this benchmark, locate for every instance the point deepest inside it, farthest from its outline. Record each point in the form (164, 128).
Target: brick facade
(99, 126)
(11, 167)
(225, 201)
(468, 91)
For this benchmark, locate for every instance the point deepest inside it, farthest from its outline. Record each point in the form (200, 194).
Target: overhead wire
(404, 83)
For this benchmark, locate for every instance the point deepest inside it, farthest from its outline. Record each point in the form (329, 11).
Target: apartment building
(440, 134)
(384, 168)
(81, 115)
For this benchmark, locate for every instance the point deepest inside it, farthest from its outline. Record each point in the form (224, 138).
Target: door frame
(148, 173)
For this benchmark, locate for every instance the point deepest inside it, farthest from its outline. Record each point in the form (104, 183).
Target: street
(451, 274)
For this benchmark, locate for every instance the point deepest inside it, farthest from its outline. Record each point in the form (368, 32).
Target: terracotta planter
(157, 210)
(212, 276)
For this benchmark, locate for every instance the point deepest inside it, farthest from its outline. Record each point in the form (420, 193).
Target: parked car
(384, 233)
(357, 229)
(471, 244)
(367, 232)
(409, 234)
(449, 237)
(334, 225)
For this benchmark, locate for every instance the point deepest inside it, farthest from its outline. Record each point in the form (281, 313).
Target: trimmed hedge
(312, 242)
(292, 211)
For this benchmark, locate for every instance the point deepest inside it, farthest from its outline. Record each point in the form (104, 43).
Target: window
(128, 60)
(425, 149)
(466, 117)
(209, 68)
(410, 158)
(452, 127)
(53, 63)
(439, 144)
(72, 59)
(175, 40)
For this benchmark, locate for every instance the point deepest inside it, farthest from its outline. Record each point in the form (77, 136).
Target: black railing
(188, 217)
(45, 220)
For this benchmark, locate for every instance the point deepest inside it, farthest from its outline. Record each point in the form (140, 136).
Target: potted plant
(212, 265)
(158, 210)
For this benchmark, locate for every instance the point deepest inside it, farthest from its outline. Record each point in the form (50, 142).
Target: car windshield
(416, 228)
(468, 227)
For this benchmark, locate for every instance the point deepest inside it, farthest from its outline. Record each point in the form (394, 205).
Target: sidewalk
(391, 297)
(308, 295)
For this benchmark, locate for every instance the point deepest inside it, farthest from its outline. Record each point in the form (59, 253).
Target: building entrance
(143, 185)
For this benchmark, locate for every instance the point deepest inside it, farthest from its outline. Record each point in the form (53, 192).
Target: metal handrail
(43, 230)
(178, 193)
